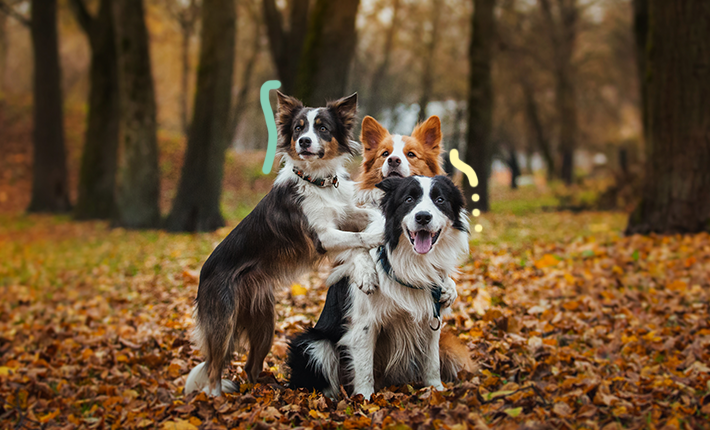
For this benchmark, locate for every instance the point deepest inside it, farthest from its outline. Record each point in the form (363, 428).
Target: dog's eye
(386, 153)
(409, 199)
(298, 128)
(411, 155)
(440, 200)
(322, 128)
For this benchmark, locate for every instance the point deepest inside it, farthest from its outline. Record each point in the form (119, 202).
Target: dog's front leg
(336, 240)
(360, 342)
(363, 273)
(432, 370)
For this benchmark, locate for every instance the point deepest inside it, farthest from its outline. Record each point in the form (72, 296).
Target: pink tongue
(422, 242)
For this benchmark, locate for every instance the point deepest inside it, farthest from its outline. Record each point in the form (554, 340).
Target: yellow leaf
(678, 285)
(87, 353)
(370, 408)
(548, 260)
(4, 370)
(178, 425)
(298, 290)
(45, 418)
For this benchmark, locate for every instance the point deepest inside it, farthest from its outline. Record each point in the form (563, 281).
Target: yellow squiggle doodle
(472, 180)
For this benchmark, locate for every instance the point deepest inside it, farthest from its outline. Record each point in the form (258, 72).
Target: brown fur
(425, 143)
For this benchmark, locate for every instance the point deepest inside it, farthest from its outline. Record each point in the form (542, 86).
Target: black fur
(395, 204)
(331, 326)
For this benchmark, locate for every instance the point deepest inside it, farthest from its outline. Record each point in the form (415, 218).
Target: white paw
(366, 281)
(438, 386)
(372, 240)
(448, 293)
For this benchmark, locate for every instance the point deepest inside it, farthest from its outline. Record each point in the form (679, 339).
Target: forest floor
(571, 324)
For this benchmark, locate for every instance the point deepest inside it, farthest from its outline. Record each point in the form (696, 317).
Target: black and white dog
(305, 215)
(390, 337)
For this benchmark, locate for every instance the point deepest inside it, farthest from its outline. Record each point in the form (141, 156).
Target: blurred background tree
(549, 94)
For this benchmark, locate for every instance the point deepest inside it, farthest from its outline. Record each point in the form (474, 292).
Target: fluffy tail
(453, 356)
(198, 380)
(314, 363)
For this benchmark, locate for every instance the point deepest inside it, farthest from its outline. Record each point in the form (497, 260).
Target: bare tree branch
(9, 11)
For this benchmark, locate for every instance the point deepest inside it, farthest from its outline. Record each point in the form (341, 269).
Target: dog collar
(435, 289)
(328, 181)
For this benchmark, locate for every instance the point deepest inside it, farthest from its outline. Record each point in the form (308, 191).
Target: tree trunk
(563, 34)
(374, 100)
(97, 178)
(196, 206)
(3, 55)
(50, 189)
(138, 187)
(286, 47)
(429, 62)
(480, 102)
(240, 102)
(676, 195)
(641, 38)
(512, 161)
(535, 123)
(327, 52)
(185, 76)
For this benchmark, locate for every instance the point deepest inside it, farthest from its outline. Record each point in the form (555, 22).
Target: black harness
(434, 288)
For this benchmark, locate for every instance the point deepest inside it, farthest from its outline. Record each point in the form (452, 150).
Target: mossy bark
(138, 188)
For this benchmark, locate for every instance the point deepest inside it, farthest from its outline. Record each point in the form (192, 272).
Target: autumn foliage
(590, 333)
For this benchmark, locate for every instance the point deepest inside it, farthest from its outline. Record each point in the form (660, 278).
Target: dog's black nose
(422, 218)
(394, 161)
(304, 142)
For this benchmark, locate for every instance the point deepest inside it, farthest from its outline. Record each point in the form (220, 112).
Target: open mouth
(423, 240)
(394, 174)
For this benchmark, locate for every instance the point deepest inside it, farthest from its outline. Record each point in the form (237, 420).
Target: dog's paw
(448, 293)
(372, 240)
(366, 282)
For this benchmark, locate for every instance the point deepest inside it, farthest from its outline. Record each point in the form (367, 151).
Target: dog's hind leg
(259, 325)
(215, 322)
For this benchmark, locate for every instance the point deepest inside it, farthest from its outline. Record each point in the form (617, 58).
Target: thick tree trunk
(480, 102)
(97, 178)
(676, 195)
(327, 52)
(429, 62)
(196, 206)
(50, 188)
(138, 187)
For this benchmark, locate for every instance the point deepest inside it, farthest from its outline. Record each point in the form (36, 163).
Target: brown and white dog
(303, 217)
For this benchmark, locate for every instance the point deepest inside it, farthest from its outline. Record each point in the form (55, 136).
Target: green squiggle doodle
(270, 123)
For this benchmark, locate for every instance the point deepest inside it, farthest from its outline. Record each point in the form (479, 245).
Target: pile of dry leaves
(94, 333)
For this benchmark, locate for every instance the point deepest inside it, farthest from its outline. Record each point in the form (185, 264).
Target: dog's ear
(371, 134)
(346, 110)
(429, 133)
(389, 184)
(287, 109)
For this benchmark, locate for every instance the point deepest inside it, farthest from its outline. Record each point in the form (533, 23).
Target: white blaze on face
(311, 133)
(397, 152)
(423, 236)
